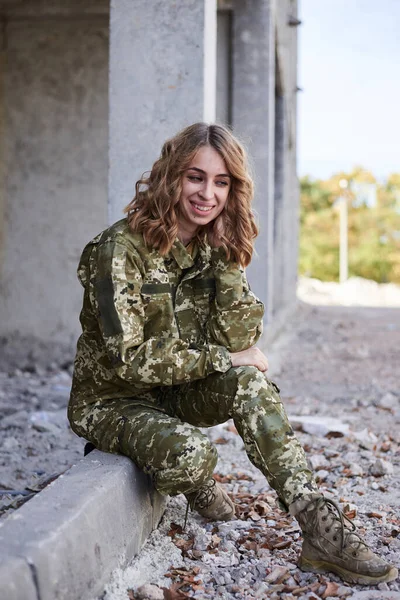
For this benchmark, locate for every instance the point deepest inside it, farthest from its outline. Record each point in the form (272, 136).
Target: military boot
(212, 502)
(332, 544)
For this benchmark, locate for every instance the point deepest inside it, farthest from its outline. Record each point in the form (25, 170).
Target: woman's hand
(252, 357)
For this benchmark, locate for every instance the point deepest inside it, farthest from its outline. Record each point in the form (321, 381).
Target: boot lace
(201, 499)
(343, 526)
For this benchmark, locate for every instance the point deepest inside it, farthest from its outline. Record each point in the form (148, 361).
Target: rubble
(317, 425)
(36, 443)
(381, 467)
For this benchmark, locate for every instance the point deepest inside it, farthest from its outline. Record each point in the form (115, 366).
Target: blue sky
(349, 69)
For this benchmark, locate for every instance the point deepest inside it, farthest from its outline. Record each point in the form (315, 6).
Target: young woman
(169, 326)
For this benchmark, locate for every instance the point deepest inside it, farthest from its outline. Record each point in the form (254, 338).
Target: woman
(169, 326)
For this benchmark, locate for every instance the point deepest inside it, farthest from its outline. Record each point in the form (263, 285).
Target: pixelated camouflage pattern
(165, 440)
(150, 321)
(153, 365)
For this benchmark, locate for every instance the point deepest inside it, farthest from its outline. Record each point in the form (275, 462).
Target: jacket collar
(185, 260)
(181, 255)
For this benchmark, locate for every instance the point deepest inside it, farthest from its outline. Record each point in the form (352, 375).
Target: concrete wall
(53, 89)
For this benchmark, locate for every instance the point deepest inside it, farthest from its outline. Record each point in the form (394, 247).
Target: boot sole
(317, 566)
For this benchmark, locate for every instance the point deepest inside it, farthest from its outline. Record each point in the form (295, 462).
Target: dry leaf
(179, 572)
(350, 511)
(215, 540)
(224, 478)
(232, 429)
(174, 592)
(351, 514)
(331, 590)
(281, 544)
(251, 545)
(131, 595)
(184, 545)
(277, 575)
(221, 440)
(299, 590)
(262, 507)
(334, 434)
(185, 578)
(175, 528)
(254, 516)
(244, 476)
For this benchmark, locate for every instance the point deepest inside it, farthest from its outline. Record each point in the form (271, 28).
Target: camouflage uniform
(153, 365)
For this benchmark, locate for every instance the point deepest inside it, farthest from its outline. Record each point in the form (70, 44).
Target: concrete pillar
(253, 93)
(286, 183)
(2, 153)
(224, 67)
(281, 232)
(162, 78)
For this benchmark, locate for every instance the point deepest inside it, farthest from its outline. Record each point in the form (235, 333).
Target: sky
(349, 70)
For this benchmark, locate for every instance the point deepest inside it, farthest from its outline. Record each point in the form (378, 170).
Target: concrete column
(162, 78)
(281, 231)
(253, 119)
(286, 248)
(224, 67)
(2, 153)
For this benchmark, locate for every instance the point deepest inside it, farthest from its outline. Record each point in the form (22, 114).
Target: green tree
(373, 231)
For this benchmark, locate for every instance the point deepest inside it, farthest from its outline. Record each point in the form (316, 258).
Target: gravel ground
(338, 375)
(338, 372)
(36, 443)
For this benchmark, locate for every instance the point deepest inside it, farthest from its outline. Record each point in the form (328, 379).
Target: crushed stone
(353, 443)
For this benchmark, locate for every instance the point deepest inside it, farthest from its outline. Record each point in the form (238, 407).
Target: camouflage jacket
(150, 321)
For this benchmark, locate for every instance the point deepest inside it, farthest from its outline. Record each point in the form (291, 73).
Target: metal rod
(343, 249)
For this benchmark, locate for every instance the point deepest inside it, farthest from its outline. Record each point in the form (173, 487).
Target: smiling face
(205, 189)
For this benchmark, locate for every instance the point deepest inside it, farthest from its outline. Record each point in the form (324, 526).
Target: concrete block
(73, 534)
(16, 580)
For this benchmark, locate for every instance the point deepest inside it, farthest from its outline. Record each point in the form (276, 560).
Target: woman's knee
(189, 467)
(253, 388)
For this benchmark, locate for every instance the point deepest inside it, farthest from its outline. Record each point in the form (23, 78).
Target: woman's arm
(236, 315)
(159, 360)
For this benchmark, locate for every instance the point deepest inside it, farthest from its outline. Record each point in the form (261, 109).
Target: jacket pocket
(204, 295)
(158, 310)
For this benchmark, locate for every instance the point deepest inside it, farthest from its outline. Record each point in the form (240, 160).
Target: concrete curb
(66, 541)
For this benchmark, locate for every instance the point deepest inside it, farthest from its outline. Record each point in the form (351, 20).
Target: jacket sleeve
(160, 360)
(236, 315)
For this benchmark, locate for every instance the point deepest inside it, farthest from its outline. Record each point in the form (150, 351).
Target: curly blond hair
(154, 211)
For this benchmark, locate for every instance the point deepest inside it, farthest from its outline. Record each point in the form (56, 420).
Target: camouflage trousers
(159, 432)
